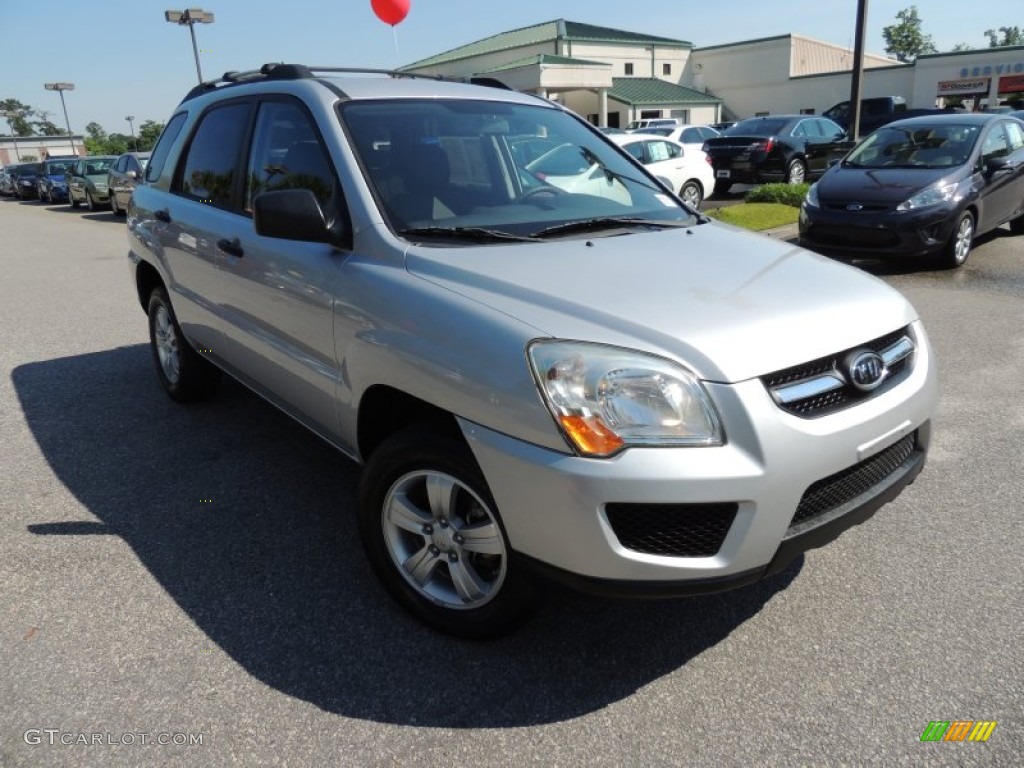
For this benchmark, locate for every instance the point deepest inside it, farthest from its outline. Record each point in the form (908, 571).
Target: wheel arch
(384, 411)
(146, 279)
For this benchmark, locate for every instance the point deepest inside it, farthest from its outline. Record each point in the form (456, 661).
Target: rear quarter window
(163, 147)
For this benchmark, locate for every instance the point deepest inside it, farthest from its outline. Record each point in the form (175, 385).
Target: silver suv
(599, 386)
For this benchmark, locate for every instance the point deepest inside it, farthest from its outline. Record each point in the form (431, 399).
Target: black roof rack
(281, 71)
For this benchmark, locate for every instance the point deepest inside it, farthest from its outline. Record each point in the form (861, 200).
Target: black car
(789, 148)
(25, 181)
(920, 187)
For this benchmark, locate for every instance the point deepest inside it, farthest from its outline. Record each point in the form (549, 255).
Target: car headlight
(812, 196)
(607, 398)
(933, 195)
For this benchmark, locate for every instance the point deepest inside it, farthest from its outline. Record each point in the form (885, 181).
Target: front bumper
(881, 234)
(557, 508)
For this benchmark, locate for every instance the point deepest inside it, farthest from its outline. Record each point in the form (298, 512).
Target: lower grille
(851, 236)
(672, 530)
(833, 492)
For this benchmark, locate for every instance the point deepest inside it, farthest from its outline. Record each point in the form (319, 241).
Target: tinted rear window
(757, 126)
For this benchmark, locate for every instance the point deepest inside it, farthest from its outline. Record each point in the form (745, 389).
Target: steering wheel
(546, 191)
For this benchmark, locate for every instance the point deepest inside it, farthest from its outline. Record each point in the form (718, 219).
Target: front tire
(959, 244)
(90, 204)
(692, 194)
(71, 199)
(183, 373)
(433, 536)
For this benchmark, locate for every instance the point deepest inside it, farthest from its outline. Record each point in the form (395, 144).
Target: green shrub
(784, 194)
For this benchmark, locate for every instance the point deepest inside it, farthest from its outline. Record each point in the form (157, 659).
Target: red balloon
(390, 11)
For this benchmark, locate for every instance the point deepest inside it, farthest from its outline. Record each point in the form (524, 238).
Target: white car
(690, 135)
(687, 168)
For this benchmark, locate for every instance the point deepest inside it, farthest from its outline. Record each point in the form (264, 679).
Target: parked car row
(96, 181)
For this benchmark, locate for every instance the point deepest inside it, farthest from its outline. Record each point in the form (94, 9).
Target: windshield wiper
(608, 222)
(609, 174)
(476, 234)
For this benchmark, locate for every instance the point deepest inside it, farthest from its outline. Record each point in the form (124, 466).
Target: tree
(962, 47)
(904, 39)
(19, 116)
(149, 132)
(1011, 36)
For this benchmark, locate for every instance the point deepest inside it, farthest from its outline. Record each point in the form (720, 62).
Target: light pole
(191, 16)
(131, 129)
(10, 116)
(60, 88)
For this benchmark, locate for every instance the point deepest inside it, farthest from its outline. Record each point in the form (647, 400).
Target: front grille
(672, 530)
(843, 487)
(822, 404)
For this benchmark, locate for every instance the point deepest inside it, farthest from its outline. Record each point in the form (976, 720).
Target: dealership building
(613, 76)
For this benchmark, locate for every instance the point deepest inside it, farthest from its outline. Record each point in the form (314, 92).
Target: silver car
(610, 391)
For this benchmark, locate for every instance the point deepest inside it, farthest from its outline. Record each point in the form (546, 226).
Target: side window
(801, 129)
(636, 150)
(996, 144)
(829, 129)
(691, 136)
(163, 147)
(662, 150)
(208, 171)
(1015, 133)
(122, 164)
(286, 154)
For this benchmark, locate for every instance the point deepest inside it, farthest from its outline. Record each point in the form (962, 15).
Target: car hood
(731, 305)
(880, 185)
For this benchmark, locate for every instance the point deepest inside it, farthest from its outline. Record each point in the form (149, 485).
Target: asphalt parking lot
(184, 585)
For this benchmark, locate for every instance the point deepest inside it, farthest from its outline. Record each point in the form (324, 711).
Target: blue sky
(126, 60)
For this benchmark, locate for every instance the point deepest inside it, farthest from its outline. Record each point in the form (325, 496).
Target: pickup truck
(876, 112)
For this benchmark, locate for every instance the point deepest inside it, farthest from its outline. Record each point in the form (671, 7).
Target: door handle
(163, 215)
(232, 247)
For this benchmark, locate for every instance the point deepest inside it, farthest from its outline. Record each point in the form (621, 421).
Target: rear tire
(90, 204)
(183, 373)
(433, 536)
(958, 247)
(115, 209)
(1017, 225)
(692, 193)
(796, 173)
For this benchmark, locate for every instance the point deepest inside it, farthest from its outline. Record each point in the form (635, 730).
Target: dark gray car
(122, 178)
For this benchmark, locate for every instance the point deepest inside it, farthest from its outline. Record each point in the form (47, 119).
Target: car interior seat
(425, 174)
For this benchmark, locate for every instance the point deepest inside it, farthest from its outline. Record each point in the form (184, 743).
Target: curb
(790, 233)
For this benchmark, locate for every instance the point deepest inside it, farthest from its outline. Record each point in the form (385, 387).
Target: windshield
(920, 146)
(479, 167)
(56, 169)
(94, 167)
(756, 126)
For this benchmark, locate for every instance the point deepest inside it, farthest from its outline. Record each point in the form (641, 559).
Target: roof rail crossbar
(282, 71)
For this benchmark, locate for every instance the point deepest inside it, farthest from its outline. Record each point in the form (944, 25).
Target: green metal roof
(650, 90)
(577, 31)
(548, 32)
(548, 58)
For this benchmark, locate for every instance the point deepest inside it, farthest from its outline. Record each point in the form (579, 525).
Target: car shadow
(247, 521)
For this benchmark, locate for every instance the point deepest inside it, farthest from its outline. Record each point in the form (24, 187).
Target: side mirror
(132, 175)
(292, 214)
(997, 164)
